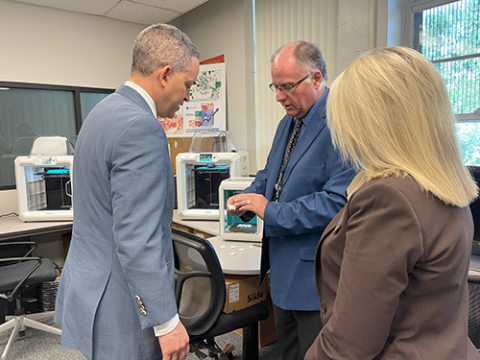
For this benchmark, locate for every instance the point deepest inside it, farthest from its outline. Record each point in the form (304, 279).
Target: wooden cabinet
(182, 227)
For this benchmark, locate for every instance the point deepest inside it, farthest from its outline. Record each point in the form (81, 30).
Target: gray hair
(161, 45)
(308, 56)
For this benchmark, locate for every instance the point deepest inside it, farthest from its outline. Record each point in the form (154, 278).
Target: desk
(237, 257)
(209, 227)
(52, 237)
(12, 227)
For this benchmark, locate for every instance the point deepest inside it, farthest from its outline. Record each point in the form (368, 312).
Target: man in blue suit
(298, 192)
(116, 295)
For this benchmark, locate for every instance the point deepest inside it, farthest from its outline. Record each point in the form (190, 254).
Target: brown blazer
(391, 272)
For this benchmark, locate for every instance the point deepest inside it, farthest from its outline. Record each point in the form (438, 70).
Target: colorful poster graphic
(207, 86)
(173, 125)
(202, 116)
(207, 106)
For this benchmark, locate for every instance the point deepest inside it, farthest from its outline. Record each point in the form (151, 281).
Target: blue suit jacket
(313, 191)
(121, 246)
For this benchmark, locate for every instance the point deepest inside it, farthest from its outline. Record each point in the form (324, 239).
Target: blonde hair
(389, 114)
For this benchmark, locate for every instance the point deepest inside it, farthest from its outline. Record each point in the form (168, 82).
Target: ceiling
(145, 12)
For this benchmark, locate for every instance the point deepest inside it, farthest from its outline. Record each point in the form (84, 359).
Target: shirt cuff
(164, 329)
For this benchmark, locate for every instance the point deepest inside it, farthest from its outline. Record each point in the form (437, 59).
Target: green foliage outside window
(468, 134)
(450, 32)
(450, 38)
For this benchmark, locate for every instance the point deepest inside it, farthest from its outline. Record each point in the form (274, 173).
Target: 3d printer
(234, 227)
(43, 180)
(212, 159)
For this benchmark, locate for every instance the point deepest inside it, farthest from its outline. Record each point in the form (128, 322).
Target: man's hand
(248, 202)
(232, 208)
(175, 345)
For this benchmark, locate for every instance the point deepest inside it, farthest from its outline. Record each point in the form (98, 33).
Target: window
(30, 110)
(88, 100)
(448, 34)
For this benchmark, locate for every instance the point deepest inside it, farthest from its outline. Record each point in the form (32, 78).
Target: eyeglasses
(283, 88)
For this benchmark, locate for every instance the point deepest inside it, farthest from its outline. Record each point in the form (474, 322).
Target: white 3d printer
(234, 227)
(43, 180)
(212, 159)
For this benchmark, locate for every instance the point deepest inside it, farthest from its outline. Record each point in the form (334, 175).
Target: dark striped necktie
(288, 151)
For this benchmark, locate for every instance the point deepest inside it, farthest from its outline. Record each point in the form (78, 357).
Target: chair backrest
(474, 310)
(199, 282)
(52, 146)
(16, 249)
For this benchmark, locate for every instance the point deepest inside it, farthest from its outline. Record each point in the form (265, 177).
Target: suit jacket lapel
(334, 227)
(314, 127)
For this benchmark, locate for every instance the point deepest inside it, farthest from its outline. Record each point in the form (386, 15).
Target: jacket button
(323, 308)
(143, 312)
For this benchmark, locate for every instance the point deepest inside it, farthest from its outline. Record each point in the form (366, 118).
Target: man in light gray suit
(116, 295)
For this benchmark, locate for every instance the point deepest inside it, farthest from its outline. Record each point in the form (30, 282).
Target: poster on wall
(206, 108)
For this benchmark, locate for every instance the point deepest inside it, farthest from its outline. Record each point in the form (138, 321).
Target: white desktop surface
(211, 227)
(237, 257)
(12, 227)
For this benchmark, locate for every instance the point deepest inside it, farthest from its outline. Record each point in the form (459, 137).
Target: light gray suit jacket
(391, 272)
(118, 279)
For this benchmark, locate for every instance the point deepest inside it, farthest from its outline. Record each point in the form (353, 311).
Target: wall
(36, 41)
(220, 27)
(41, 45)
(356, 22)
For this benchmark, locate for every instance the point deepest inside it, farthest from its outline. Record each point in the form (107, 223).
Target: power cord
(9, 214)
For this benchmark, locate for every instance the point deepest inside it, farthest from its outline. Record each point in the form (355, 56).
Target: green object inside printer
(234, 224)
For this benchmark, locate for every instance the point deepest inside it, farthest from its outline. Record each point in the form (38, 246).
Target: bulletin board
(206, 109)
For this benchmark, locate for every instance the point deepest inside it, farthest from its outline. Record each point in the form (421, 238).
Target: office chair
(18, 271)
(52, 146)
(200, 295)
(474, 309)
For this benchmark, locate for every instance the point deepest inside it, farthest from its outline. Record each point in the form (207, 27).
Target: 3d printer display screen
(47, 188)
(205, 157)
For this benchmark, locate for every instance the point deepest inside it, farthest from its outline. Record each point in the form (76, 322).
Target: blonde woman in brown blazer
(391, 268)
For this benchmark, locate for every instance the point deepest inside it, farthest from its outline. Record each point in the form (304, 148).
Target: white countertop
(237, 257)
(211, 227)
(12, 227)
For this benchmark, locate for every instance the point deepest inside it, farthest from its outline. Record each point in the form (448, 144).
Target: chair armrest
(19, 259)
(12, 293)
(474, 278)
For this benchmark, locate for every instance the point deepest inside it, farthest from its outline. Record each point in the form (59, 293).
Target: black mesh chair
(200, 295)
(474, 310)
(18, 271)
